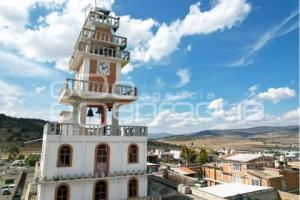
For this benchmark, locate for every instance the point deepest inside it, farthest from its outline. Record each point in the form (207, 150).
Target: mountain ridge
(242, 132)
(13, 129)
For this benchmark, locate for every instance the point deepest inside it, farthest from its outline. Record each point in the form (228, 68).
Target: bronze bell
(98, 111)
(90, 113)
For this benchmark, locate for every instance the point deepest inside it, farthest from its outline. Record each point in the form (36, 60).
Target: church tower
(88, 155)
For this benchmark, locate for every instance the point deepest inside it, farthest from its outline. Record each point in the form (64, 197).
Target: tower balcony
(95, 90)
(66, 129)
(101, 37)
(103, 20)
(97, 51)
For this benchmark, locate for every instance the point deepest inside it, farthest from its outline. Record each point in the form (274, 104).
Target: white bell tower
(89, 155)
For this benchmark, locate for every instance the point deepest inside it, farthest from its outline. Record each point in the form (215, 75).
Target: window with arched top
(102, 160)
(133, 188)
(133, 153)
(64, 159)
(100, 190)
(62, 192)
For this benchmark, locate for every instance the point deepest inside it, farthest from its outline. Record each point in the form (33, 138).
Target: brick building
(251, 169)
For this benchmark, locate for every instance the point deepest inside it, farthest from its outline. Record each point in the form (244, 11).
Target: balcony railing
(105, 19)
(103, 36)
(102, 51)
(96, 86)
(90, 176)
(75, 129)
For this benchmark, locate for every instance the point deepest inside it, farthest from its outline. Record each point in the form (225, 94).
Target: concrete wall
(260, 195)
(83, 190)
(83, 161)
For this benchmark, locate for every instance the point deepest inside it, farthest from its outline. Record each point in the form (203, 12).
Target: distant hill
(255, 132)
(18, 130)
(159, 135)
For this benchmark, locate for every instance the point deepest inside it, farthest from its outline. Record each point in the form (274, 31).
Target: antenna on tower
(85, 9)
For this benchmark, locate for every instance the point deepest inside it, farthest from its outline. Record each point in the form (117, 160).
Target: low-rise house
(185, 171)
(152, 157)
(250, 169)
(175, 153)
(152, 167)
(233, 191)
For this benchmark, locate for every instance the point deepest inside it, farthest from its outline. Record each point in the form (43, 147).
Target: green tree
(188, 154)
(21, 156)
(202, 156)
(13, 152)
(30, 160)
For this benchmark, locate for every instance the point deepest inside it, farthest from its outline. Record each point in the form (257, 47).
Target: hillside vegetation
(19, 130)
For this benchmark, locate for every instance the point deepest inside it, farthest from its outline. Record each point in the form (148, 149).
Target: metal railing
(97, 86)
(52, 128)
(103, 36)
(101, 50)
(103, 18)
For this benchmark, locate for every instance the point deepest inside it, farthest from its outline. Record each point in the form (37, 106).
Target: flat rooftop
(231, 189)
(266, 173)
(243, 157)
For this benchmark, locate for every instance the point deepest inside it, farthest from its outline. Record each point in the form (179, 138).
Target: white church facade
(88, 155)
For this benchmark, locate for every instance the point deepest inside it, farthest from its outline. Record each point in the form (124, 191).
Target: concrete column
(118, 71)
(115, 120)
(81, 120)
(86, 68)
(103, 115)
(75, 113)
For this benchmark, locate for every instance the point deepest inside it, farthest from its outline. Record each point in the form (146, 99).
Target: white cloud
(216, 104)
(14, 65)
(254, 88)
(129, 67)
(52, 39)
(188, 48)
(248, 112)
(173, 122)
(40, 89)
(284, 27)
(223, 15)
(10, 96)
(292, 115)
(277, 94)
(184, 75)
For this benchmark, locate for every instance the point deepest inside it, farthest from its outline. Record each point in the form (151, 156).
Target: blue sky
(207, 60)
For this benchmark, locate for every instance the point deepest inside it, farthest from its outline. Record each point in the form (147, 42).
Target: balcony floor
(79, 55)
(72, 96)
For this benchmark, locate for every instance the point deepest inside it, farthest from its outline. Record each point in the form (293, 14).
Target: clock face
(103, 68)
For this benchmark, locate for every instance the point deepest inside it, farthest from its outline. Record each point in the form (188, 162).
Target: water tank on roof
(281, 158)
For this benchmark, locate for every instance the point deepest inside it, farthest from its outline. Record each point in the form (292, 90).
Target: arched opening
(64, 159)
(102, 160)
(133, 153)
(100, 191)
(62, 192)
(133, 188)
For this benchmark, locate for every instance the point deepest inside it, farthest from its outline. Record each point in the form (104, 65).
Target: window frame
(237, 166)
(136, 188)
(107, 189)
(255, 181)
(59, 156)
(107, 158)
(136, 160)
(61, 185)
